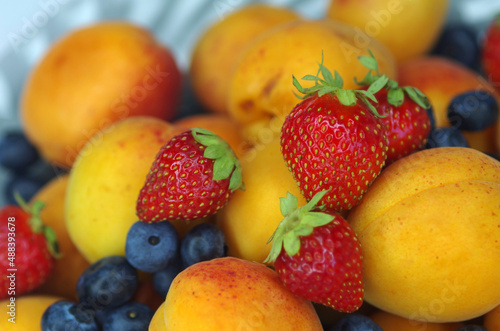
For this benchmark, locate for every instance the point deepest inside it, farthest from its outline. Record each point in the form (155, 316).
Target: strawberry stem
(333, 84)
(36, 224)
(395, 94)
(297, 222)
(226, 164)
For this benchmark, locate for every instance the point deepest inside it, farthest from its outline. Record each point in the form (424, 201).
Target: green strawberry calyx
(333, 83)
(395, 93)
(226, 164)
(37, 226)
(297, 222)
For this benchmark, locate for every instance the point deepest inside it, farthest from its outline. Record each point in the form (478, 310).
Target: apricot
(425, 220)
(233, 294)
(492, 319)
(251, 216)
(91, 78)
(158, 321)
(391, 322)
(408, 28)
(105, 181)
(26, 312)
(219, 47)
(441, 79)
(71, 264)
(261, 87)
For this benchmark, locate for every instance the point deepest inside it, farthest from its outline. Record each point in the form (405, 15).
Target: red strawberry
(193, 176)
(332, 140)
(403, 110)
(490, 56)
(27, 250)
(317, 255)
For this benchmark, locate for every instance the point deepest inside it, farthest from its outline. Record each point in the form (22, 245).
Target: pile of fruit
(339, 174)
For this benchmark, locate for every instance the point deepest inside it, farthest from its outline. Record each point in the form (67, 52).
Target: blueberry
(447, 137)
(203, 242)
(132, 316)
(16, 152)
(432, 117)
(109, 282)
(473, 327)
(151, 246)
(163, 278)
(460, 43)
(356, 322)
(473, 110)
(66, 315)
(25, 187)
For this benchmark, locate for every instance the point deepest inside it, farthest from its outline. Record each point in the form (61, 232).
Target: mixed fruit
(352, 183)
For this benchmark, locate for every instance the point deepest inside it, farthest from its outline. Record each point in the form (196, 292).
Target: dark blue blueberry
(65, 315)
(356, 322)
(151, 246)
(132, 316)
(473, 110)
(432, 117)
(25, 187)
(163, 278)
(109, 282)
(473, 327)
(460, 43)
(446, 137)
(203, 242)
(16, 152)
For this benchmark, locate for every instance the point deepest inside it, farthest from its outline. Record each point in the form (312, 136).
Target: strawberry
(333, 140)
(490, 56)
(403, 113)
(317, 255)
(193, 176)
(27, 249)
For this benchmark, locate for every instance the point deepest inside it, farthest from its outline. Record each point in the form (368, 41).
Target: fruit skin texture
(68, 315)
(492, 319)
(202, 243)
(151, 247)
(217, 51)
(128, 317)
(299, 273)
(317, 255)
(32, 260)
(441, 79)
(416, 233)
(260, 87)
(35, 304)
(246, 228)
(105, 181)
(192, 177)
(490, 55)
(112, 278)
(71, 264)
(233, 294)
(407, 126)
(406, 27)
(158, 322)
(330, 146)
(122, 71)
